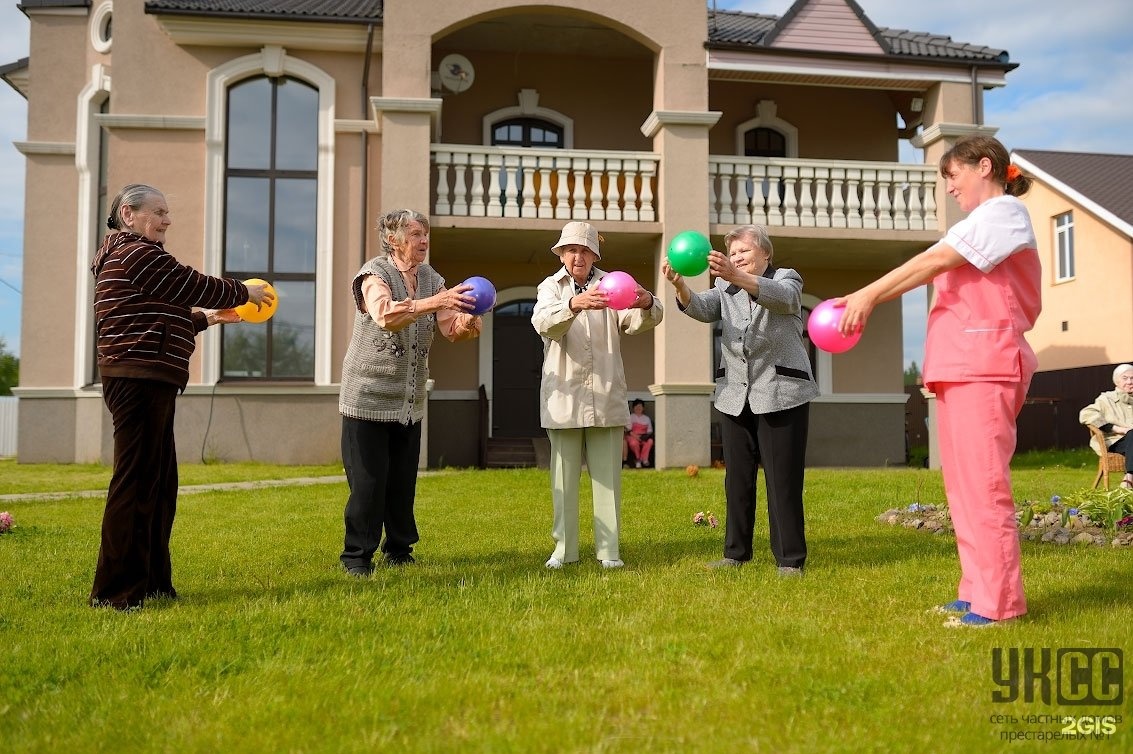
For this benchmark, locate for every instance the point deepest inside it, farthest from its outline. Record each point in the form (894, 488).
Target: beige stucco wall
(866, 119)
(1097, 304)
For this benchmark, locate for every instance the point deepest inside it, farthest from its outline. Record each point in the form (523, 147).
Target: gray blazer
(765, 363)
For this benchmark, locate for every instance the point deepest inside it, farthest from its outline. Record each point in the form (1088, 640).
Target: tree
(912, 374)
(9, 369)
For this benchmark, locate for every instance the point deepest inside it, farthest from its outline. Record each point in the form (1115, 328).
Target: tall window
(102, 210)
(527, 132)
(1064, 245)
(271, 183)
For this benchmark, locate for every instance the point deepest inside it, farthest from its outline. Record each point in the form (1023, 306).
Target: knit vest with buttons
(384, 373)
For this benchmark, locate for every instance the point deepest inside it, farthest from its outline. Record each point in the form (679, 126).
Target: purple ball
(484, 293)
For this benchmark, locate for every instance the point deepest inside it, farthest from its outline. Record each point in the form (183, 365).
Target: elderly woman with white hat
(1112, 413)
(583, 389)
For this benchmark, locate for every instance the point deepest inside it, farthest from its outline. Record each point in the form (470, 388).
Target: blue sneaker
(956, 606)
(976, 620)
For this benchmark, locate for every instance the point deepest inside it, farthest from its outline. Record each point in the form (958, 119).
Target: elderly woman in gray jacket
(582, 394)
(1112, 413)
(763, 391)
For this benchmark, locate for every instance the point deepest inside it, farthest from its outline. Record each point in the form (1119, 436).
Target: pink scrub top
(983, 308)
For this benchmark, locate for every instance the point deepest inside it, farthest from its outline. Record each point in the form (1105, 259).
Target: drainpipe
(977, 105)
(366, 139)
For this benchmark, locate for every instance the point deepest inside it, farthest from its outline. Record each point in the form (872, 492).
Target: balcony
(558, 184)
(569, 184)
(779, 192)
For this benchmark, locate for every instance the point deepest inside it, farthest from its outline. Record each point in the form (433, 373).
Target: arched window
(764, 142)
(270, 223)
(527, 132)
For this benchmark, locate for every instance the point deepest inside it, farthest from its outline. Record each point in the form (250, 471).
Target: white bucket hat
(581, 234)
(1120, 370)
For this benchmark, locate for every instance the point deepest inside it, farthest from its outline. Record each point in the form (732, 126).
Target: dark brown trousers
(133, 558)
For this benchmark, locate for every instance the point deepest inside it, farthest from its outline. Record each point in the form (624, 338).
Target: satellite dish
(456, 73)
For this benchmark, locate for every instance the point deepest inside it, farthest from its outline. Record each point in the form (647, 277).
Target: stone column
(682, 347)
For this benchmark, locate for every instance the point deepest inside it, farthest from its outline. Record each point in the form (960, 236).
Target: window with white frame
(270, 223)
(1064, 246)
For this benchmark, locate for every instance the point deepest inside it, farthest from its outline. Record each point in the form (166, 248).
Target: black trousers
(777, 441)
(1124, 446)
(133, 557)
(380, 459)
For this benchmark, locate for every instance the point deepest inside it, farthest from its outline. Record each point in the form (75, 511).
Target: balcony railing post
(613, 192)
(630, 194)
(442, 161)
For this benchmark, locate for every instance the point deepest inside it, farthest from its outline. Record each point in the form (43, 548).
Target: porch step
(510, 452)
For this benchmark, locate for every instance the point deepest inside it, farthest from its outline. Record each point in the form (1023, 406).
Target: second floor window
(527, 132)
(271, 186)
(1064, 246)
(764, 142)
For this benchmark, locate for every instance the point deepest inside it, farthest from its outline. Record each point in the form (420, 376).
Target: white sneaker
(637, 464)
(612, 564)
(553, 562)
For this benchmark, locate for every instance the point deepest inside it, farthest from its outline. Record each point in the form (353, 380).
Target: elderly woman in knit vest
(400, 301)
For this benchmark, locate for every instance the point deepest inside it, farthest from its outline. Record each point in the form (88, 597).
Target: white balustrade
(822, 193)
(569, 184)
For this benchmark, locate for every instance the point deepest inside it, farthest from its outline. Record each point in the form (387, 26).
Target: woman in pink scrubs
(987, 274)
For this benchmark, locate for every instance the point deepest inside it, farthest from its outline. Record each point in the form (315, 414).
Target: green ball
(688, 253)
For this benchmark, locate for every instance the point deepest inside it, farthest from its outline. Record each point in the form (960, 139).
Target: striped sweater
(143, 299)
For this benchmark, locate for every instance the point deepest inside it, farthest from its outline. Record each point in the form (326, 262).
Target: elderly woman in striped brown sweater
(399, 301)
(146, 325)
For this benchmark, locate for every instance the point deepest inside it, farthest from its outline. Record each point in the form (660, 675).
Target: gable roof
(1102, 183)
(737, 30)
(341, 11)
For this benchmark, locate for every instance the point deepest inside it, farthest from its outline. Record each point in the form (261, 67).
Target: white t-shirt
(992, 232)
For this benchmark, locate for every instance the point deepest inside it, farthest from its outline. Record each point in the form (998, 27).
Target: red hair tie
(1013, 173)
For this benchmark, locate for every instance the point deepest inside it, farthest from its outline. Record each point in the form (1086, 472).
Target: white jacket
(1111, 407)
(583, 382)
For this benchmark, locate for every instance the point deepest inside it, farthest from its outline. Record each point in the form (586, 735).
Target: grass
(478, 647)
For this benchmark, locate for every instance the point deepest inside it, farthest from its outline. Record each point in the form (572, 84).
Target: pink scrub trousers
(977, 439)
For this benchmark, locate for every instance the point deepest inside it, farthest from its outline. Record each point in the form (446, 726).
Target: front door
(517, 362)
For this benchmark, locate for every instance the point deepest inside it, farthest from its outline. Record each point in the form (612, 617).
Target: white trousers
(604, 460)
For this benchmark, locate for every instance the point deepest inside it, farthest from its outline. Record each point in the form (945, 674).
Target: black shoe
(360, 571)
(725, 563)
(400, 560)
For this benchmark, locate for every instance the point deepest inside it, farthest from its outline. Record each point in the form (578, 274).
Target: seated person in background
(1112, 413)
(639, 435)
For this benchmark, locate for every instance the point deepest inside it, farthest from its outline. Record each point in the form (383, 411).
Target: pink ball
(620, 289)
(822, 328)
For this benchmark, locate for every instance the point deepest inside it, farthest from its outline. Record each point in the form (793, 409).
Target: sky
(1073, 91)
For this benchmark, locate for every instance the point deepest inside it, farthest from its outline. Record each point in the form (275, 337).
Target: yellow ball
(249, 313)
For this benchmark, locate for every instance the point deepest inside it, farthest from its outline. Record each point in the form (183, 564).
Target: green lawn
(477, 647)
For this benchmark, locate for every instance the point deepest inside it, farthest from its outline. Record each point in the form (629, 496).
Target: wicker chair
(1108, 463)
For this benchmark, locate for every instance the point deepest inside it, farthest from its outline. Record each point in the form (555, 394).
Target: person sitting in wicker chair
(1112, 413)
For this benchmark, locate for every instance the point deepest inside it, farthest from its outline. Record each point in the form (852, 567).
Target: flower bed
(1058, 522)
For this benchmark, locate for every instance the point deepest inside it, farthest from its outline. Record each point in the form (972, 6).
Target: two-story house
(279, 132)
(1081, 205)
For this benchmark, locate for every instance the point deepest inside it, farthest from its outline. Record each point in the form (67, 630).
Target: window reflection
(297, 144)
(249, 124)
(246, 230)
(295, 225)
(293, 334)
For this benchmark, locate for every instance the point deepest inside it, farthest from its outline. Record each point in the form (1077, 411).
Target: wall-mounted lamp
(916, 104)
